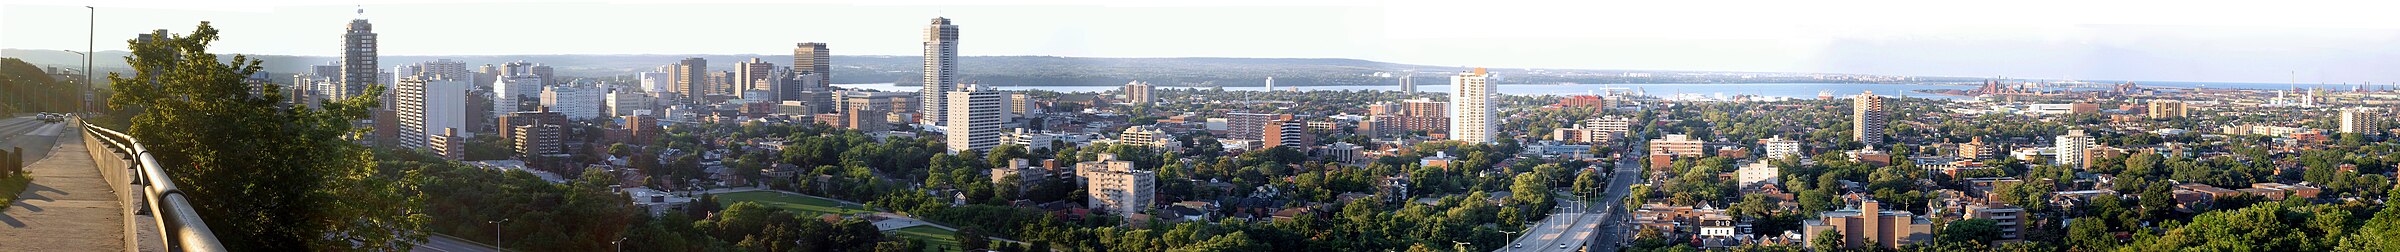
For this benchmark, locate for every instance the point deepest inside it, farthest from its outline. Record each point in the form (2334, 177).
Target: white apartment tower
(358, 58)
(1867, 122)
(975, 119)
(2074, 149)
(516, 83)
(429, 106)
(941, 71)
(577, 103)
(1471, 116)
(1777, 147)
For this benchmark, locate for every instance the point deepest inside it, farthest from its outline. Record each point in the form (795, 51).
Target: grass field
(10, 185)
(936, 239)
(806, 207)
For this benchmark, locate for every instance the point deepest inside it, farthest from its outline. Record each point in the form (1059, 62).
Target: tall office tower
(1113, 185)
(1137, 92)
(1866, 115)
(578, 103)
(812, 58)
(1408, 84)
(2074, 150)
(941, 70)
(1471, 115)
(1270, 84)
(428, 107)
(358, 58)
(975, 117)
(691, 79)
(2360, 120)
(515, 87)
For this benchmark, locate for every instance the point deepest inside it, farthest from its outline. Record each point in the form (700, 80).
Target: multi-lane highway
(32, 134)
(1580, 225)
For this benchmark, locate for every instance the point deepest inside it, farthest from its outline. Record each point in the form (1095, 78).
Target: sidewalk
(67, 207)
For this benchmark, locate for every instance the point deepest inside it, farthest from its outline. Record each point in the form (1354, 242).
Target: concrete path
(68, 206)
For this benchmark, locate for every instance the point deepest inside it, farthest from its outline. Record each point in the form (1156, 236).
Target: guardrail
(180, 224)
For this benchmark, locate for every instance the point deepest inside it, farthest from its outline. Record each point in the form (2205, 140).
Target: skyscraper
(1408, 84)
(429, 107)
(975, 118)
(2359, 120)
(1471, 115)
(812, 77)
(691, 79)
(1137, 92)
(812, 58)
(941, 70)
(358, 58)
(1866, 115)
(515, 87)
(755, 76)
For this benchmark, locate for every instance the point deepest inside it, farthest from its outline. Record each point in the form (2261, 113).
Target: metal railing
(177, 221)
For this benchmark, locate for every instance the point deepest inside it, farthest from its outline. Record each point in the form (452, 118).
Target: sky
(2219, 41)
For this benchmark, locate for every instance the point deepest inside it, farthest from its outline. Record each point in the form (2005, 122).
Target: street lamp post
(620, 243)
(496, 234)
(90, 41)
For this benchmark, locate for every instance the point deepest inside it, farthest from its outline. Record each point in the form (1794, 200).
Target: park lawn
(936, 239)
(10, 185)
(806, 207)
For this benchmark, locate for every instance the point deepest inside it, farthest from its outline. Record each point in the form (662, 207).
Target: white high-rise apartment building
(975, 119)
(624, 102)
(358, 58)
(2359, 120)
(515, 83)
(656, 82)
(941, 71)
(1471, 114)
(577, 103)
(1867, 122)
(427, 106)
(2074, 149)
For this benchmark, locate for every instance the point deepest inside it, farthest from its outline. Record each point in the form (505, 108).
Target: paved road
(1599, 223)
(445, 243)
(68, 206)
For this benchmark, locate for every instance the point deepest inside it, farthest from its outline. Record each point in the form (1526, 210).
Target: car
(1519, 245)
(1562, 245)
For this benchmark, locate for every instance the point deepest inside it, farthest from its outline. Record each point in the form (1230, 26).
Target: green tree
(267, 177)
(1979, 231)
(2090, 234)
(1827, 241)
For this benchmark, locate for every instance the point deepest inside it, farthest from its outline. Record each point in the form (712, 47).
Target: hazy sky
(2232, 41)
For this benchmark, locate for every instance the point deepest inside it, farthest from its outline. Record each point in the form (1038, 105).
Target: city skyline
(2306, 42)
